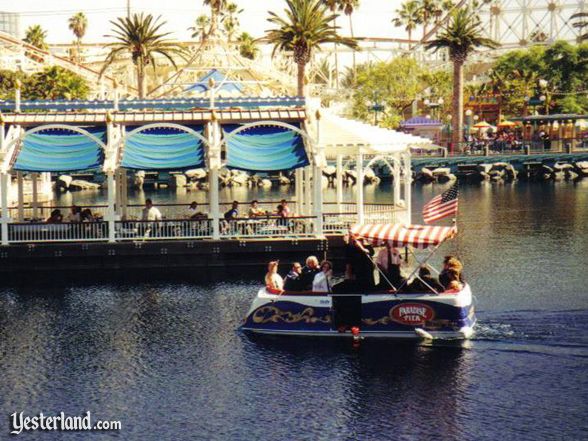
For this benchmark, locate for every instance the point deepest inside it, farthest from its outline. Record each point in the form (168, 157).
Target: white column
(298, 190)
(110, 214)
(339, 182)
(308, 190)
(359, 189)
(407, 188)
(397, 183)
(35, 204)
(20, 191)
(4, 177)
(214, 162)
(318, 201)
(124, 189)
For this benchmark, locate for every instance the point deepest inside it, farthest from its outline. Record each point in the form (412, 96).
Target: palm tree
(35, 36)
(428, 9)
(231, 20)
(333, 5)
(202, 27)
(247, 46)
(217, 7)
(306, 26)
(348, 7)
(461, 36)
(140, 36)
(78, 24)
(581, 24)
(408, 16)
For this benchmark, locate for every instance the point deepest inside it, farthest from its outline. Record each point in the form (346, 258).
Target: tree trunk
(141, 80)
(457, 104)
(409, 39)
(301, 69)
(336, 58)
(353, 53)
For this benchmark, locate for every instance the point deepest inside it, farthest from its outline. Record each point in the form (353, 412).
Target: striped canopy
(400, 235)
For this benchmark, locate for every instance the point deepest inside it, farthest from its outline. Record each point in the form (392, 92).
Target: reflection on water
(166, 359)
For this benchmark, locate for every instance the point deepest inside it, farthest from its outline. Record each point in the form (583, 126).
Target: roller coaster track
(42, 57)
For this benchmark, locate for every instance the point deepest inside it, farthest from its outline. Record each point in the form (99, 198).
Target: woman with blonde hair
(273, 281)
(322, 280)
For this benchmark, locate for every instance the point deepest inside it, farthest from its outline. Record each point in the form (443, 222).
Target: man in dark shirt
(425, 282)
(310, 270)
(360, 267)
(293, 281)
(233, 212)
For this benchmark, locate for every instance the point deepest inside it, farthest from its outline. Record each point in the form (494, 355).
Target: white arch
(270, 123)
(381, 158)
(11, 156)
(168, 126)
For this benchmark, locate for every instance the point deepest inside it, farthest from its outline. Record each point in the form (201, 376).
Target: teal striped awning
(60, 150)
(264, 149)
(163, 148)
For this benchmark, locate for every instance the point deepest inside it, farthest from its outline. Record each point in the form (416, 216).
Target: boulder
(63, 181)
(178, 181)
(265, 183)
(196, 174)
(79, 184)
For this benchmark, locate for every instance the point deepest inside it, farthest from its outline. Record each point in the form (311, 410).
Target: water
(166, 360)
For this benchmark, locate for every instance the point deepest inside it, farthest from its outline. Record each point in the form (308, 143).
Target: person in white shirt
(389, 260)
(193, 213)
(150, 213)
(322, 281)
(273, 280)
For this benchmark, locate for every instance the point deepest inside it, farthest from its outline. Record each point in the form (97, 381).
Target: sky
(372, 19)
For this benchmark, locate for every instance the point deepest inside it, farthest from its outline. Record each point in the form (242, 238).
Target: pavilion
(250, 134)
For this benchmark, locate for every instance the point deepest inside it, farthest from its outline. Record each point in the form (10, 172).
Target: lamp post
(468, 126)
(376, 106)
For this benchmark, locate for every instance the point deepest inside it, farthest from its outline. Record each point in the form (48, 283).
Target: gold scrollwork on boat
(267, 314)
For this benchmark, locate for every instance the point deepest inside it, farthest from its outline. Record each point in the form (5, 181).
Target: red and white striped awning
(400, 235)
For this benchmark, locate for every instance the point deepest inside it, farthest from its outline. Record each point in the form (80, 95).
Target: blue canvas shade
(163, 149)
(265, 149)
(202, 84)
(60, 150)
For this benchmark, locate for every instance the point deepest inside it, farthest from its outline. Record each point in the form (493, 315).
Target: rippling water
(166, 359)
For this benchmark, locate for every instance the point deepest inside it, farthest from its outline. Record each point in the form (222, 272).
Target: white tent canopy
(337, 135)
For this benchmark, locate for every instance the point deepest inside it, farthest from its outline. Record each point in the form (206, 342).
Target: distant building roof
(220, 79)
(420, 121)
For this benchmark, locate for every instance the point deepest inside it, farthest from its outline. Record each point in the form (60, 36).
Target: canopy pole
(4, 179)
(359, 189)
(111, 208)
(35, 203)
(124, 193)
(307, 190)
(20, 197)
(339, 182)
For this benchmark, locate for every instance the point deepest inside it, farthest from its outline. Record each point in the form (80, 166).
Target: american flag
(441, 206)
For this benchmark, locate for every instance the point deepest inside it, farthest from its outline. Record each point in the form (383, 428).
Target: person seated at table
(293, 281)
(55, 218)
(193, 213)
(322, 280)
(310, 270)
(286, 212)
(87, 215)
(389, 261)
(233, 213)
(255, 211)
(425, 283)
(150, 213)
(75, 214)
(273, 281)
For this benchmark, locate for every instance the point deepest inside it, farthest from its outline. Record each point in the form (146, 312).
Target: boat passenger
(425, 283)
(450, 262)
(150, 213)
(56, 217)
(293, 280)
(233, 213)
(389, 260)
(310, 270)
(273, 281)
(359, 264)
(75, 214)
(322, 281)
(254, 210)
(87, 215)
(453, 285)
(193, 213)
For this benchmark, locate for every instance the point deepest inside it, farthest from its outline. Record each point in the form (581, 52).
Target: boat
(384, 314)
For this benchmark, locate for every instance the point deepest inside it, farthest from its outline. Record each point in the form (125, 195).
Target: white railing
(338, 223)
(164, 229)
(275, 227)
(63, 232)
